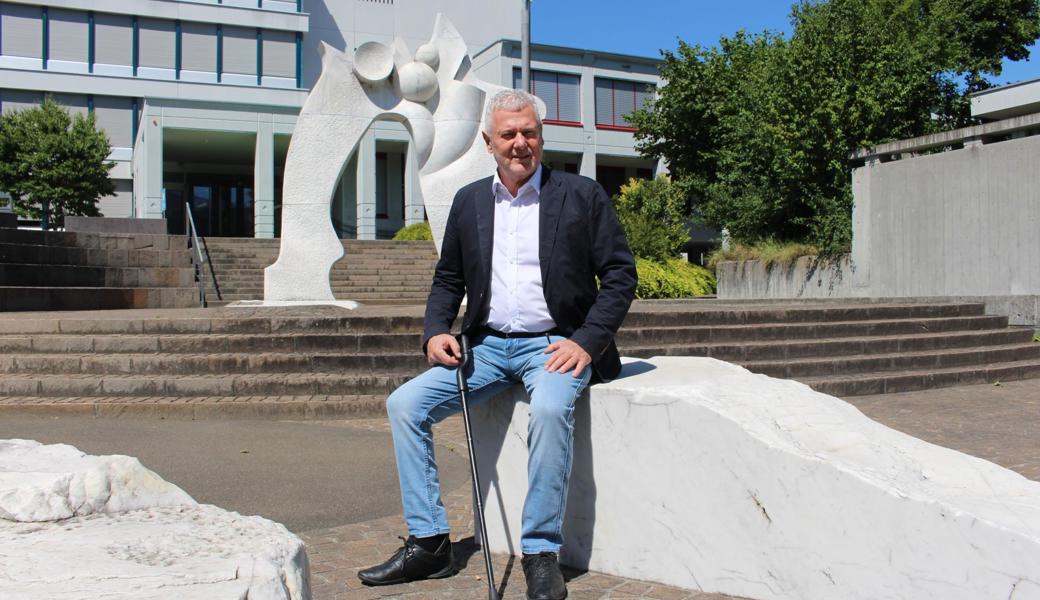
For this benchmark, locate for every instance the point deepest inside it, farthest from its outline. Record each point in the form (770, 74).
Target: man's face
(516, 142)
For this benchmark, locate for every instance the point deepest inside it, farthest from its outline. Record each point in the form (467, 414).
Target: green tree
(759, 128)
(652, 213)
(52, 164)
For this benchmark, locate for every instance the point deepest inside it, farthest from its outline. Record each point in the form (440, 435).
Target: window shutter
(199, 47)
(114, 116)
(19, 99)
(68, 35)
(240, 50)
(517, 76)
(158, 43)
(604, 102)
(644, 92)
(113, 39)
(279, 53)
(544, 85)
(624, 101)
(22, 28)
(570, 97)
(76, 104)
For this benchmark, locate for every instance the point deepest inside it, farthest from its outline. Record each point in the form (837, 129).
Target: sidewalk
(336, 554)
(1000, 423)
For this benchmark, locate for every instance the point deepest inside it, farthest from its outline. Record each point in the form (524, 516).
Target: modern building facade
(199, 98)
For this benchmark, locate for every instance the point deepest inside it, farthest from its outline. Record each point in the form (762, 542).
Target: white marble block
(75, 526)
(697, 473)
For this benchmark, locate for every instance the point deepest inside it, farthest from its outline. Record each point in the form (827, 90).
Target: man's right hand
(443, 349)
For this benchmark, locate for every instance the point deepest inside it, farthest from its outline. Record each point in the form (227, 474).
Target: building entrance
(222, 205)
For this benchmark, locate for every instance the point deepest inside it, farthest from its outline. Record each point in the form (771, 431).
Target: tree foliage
(759, 128)
(52, 164)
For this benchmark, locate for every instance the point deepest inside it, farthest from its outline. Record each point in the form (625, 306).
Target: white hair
(510, 100)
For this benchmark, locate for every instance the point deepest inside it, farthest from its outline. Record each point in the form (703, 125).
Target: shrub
(673, 278)
(415, 233)
(652, 213)
(770, 252)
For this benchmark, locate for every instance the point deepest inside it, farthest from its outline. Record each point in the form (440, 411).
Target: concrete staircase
(56, 270)
(370, 272)
(326, 362)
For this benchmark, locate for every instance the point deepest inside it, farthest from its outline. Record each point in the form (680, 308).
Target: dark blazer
(580, 239)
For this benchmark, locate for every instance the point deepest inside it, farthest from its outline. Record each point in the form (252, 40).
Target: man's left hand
(567, 355)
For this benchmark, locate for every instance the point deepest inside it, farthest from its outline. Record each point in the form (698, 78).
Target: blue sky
(644, 27)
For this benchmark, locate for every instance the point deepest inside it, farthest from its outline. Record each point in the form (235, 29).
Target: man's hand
(443, 349)
(567, 355)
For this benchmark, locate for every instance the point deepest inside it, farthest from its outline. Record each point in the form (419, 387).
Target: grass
(770, 252)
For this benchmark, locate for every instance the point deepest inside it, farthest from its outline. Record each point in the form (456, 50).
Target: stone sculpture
(434, 93)
(81, 527)
(697, 473)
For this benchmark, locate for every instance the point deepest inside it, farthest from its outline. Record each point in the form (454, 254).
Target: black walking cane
(460, 377)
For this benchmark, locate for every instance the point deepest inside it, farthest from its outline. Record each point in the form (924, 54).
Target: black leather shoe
(411, 563)
(544, 578)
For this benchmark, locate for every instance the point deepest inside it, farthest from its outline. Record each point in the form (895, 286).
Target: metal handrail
(197, 257)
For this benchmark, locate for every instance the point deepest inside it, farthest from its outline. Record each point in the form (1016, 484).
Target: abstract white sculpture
(437, 98)
(81, 527)
(700, 474)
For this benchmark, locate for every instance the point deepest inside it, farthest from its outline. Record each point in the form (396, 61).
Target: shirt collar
(534, 184)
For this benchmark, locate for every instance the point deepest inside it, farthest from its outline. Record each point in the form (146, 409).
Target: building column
(588, 164)
(366, 187)
(413, 200)
(150, 170)
(263, 182)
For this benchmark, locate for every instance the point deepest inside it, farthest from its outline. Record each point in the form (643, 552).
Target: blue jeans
(431, 397)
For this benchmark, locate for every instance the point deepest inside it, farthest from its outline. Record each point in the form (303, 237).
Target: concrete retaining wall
(807, 277)
(114, 225)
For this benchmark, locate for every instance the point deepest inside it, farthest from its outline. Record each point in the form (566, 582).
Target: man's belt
(484, 329)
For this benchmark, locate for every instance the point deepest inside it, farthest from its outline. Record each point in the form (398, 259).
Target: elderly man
(527, 246)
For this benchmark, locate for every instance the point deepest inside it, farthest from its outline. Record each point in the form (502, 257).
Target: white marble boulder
(697, 473)
(75, 526)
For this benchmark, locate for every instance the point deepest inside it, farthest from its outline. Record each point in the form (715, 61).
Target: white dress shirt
(517, 301)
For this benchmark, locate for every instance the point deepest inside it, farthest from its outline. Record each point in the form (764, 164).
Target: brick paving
(1000, 423)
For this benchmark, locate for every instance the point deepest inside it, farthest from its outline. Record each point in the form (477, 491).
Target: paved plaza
(333, 482)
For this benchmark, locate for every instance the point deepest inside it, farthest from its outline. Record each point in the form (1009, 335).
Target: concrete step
(317, 406)
(908, 381)
(399, 353)
(95, 298)
(654, 334)
(690, 325)
(104, 241)
(909, 361)
(370, 363)
(795, 349)
(50, 275)
(92, 257)
(252, 384)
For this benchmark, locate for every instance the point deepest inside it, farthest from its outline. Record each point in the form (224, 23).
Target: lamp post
(525, 48)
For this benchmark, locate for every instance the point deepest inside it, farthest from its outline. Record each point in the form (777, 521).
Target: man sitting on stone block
(527, 246)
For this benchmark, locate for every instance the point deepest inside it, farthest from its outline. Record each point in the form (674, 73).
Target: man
(526, 245)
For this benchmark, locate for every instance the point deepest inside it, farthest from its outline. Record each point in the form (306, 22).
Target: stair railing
(198, 258)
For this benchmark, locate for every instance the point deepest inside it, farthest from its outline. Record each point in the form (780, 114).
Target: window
(22, 28)
(198, 47)
(68, 35)
(615, 99)
(559, 91)
(279, 54)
